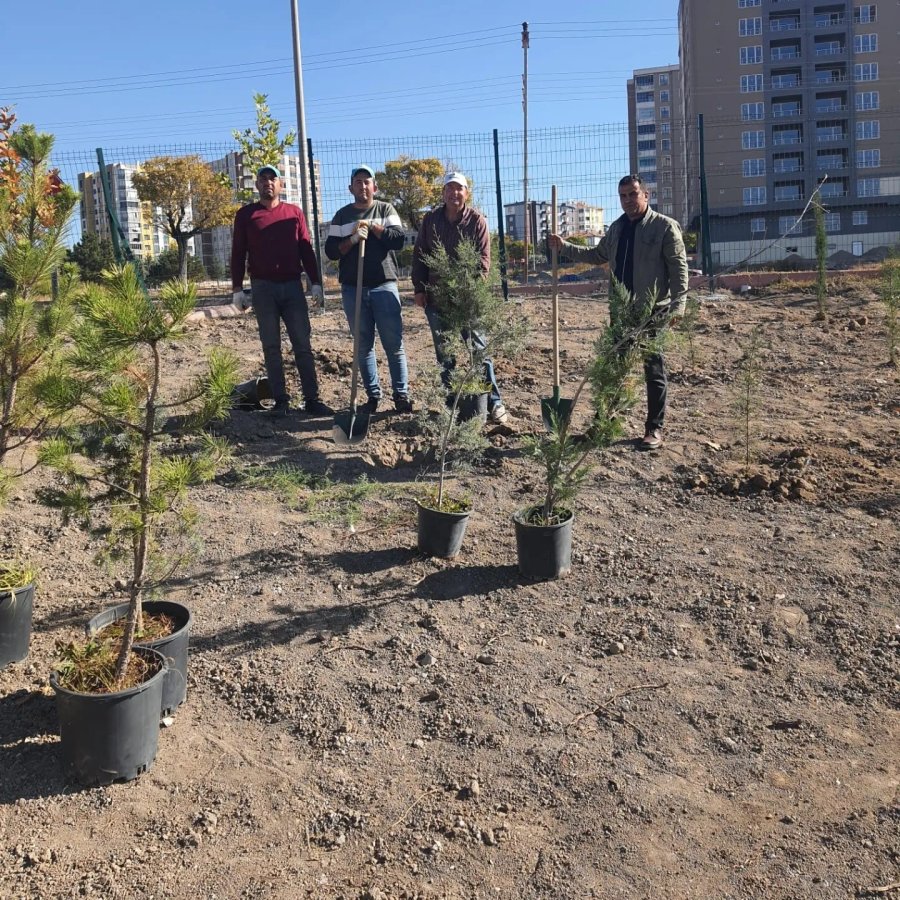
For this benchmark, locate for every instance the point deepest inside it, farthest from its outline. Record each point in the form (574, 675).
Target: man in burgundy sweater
(275, 238)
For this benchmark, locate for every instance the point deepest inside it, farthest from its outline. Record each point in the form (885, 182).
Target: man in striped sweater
(376, 222)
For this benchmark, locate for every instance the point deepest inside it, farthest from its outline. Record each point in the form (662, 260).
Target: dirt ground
(705, 708)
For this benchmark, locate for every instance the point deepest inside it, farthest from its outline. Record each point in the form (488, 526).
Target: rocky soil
(705, 707)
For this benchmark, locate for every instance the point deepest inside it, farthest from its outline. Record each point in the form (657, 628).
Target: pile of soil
(705, 707)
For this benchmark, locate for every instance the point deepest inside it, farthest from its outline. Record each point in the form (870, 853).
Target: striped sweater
(381, 260)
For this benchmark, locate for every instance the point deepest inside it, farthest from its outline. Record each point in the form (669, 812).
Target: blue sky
(162, 73)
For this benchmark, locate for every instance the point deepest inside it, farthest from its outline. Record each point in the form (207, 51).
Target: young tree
(262, 147)
(167, 266)
(120, 456)
(411, 186)
(747, 387)
(35, 210)
(890, 296)
(189, 195)
(92, 254)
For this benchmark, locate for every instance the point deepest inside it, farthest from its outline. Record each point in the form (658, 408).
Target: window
(829, 131)
(753, 140)
(743, 4)
(751, 83)
(643, 97)
(868, 187)
(667, 193)
(664, 127)
(663, 96)
(664, 112)
(751, 55)
(645, 114)
(646, 145)
(666, 144)
(860, 217)
(865, 72)
(786, 80)
(832, 222)
(648, 162)
(867, 100)
(785, 108)
(750, 111)
(754, 196)
(868, 159)
(787, 192)
(754, 168)
(869, 130)
(758, 225)
(865, 43)
(646, 129)
(749, 27)
(663, 78)
(864, 14)
(828, 48)
(643, 81)
(787, 162)
(789, 225)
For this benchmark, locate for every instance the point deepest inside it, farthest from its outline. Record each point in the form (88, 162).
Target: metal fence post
(501, 235)
(315, 214)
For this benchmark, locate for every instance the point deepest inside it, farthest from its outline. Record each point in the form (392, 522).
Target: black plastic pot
(111, 737)
(544, 551)
(473, 406)
(15, 623)
(174, 647)
(247, 394)
(441, 533)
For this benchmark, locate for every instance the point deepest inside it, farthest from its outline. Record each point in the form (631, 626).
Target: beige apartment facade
(656, 137)
(795, 95)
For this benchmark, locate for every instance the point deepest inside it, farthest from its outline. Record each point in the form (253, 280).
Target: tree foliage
(262, 147)
(412, 186)
(35, 210)
(167, 266)
(92, 254)
(120, 456)
(190, 198)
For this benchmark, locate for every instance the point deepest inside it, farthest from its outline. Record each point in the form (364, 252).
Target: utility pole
(301, 113)
(525, 145)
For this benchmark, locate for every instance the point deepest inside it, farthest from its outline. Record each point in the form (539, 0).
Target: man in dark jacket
(645, 252)
(376, 222)
(272, 236)
(448, 224)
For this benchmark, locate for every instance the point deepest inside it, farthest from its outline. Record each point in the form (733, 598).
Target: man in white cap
(376, 222)
(449, 223)
(273, 238)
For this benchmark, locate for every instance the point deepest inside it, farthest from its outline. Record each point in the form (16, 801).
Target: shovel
(352, 426)
(554, 410)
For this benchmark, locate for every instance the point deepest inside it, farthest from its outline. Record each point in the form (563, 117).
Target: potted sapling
(17, 580)
(126, 467)
(544, 530)
(477, 325)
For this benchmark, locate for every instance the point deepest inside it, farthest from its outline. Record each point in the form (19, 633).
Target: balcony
(829, 135)
(830, 78)
(830, 106)
(834, 49)
(829, 21)
(785, 53)
(784, 24)
(784, 82)
(785, 110)
(783, 138)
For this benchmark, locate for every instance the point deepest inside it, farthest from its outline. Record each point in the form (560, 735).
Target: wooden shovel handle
(554, 257)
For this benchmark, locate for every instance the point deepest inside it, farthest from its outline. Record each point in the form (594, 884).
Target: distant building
(145, 238)
(573, 217)
(792, 91)
(656, 137)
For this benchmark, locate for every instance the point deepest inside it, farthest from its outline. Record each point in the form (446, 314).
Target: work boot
(652, 440)
(370, 406)
(402, 404)
(316, 407)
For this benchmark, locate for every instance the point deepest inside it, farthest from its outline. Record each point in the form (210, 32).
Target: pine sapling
(747, 385)
(118, 456)
(821, 257)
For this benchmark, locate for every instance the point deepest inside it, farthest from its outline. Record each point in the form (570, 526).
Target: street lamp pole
(301, 114)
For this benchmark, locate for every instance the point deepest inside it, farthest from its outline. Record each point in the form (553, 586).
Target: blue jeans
(380, 309)
(447, 363)
(274, 302)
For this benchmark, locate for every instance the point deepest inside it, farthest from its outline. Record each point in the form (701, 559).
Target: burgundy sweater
(276, 241)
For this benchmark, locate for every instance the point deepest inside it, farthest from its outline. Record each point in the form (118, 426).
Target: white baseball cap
(456, 178)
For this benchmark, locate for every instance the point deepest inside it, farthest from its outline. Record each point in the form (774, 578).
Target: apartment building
(573, 217)
(145, 239)
(656, 137)
(794, 93)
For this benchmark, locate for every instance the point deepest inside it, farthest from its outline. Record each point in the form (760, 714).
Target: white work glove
(240, 301)
(360, 233)
(317, 294)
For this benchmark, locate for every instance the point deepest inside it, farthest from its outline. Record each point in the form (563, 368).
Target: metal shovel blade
(555, 411)
(350, 427)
